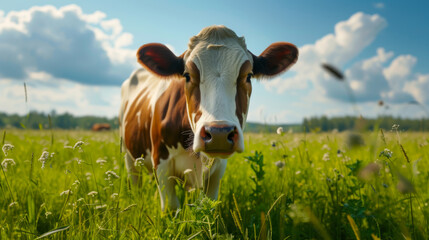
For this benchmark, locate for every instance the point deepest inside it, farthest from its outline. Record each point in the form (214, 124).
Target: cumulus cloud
(65, 43)
(348, 40)
(381, 77)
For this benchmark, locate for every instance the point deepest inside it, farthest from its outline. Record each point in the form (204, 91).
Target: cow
(97, 127)
(183, 116)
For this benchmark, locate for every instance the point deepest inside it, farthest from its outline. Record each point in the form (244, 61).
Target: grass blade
(57, 230)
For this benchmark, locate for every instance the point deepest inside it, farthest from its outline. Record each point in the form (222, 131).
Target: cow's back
(139, 94)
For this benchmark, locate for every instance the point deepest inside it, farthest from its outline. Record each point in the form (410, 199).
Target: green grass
(326, 190)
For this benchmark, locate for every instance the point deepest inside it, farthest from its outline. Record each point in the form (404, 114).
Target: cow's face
(217, 69)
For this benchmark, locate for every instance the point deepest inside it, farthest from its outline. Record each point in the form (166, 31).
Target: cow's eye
(249, 77)
(188, 78)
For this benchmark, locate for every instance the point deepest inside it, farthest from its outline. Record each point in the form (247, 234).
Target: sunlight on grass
(73, 184)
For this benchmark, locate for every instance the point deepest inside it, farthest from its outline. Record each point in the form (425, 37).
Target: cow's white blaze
(218, 59)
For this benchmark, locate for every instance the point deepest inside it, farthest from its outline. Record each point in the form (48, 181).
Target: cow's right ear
(158, 59)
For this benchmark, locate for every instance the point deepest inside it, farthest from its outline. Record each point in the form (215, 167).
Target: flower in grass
(280, 164)
(101, 161)
(76, 183)
(280, 131)
(298, 172)
(395, 127)
(7, 162)
(273, 144)
(66, 192)
(6, 148)
(326, 147)
(111, 174)
(92, 193)
(387, 153)
(13, 204)
(44, 157)
(114, 195)
(139, 162)
(47, 214)
(326, 157)
(78, 144)
(187, 171)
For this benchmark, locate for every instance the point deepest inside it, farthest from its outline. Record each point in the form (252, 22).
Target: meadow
(73, 185)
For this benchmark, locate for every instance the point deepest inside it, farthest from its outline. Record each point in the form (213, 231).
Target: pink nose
(219, 138)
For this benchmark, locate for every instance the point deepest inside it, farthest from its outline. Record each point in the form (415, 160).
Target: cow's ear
(277, 58)
(158, 59)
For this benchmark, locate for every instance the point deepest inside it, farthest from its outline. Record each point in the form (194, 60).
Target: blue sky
(73, 56)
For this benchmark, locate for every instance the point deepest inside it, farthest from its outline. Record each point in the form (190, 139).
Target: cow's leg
(166, 186)
(213, 181)
(133, 173)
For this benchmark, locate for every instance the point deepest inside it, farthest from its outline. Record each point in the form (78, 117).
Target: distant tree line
(347, 123)
(36, 120)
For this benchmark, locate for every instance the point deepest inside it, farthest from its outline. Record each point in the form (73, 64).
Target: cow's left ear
(158, 59)
(277, 58)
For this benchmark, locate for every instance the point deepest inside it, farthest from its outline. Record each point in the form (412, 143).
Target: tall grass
(291, 186)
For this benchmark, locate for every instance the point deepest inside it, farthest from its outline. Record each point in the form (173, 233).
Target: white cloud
(66, 44)
(64, 96)
(419, 88)
(350, 38)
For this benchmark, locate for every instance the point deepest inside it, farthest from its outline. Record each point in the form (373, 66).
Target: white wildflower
(187, 171)
(88, 175)
(78, 145)
(80, 200)
(326, 157)
(92, 193)
(43, 158)
(326, 147)
(101, 206)
(280, 164)
(6, 148)
(7, 162)
(66, 192)
(76, 183)
(280, 131)
(395, 127)
(101, 161)
(111, 174)
(13, 204)
(114, 195)
(47, 214)
(298, 172)
(139, 162)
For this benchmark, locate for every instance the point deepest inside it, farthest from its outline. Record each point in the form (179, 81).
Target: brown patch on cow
(100, 127)
(137, 128)
(170, 124)
(244, 90)
(192, 92)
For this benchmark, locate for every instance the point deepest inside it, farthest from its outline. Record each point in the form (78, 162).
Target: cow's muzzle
(219, 139)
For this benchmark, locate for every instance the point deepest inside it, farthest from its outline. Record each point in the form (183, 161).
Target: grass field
(292, 186)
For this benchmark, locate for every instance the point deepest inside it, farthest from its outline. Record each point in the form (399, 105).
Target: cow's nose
(219, 138)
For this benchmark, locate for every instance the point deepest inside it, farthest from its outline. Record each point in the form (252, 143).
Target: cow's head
(217, 69)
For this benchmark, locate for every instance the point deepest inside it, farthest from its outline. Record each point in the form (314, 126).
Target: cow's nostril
(205, 134)
(231, 135)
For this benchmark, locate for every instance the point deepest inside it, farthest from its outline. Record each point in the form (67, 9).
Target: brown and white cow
(184, 113)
